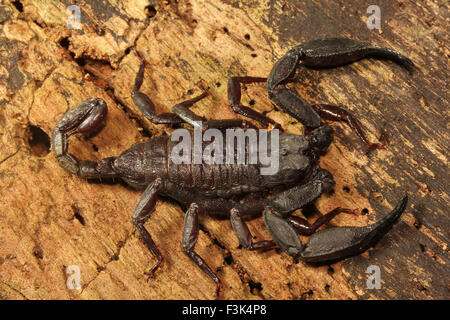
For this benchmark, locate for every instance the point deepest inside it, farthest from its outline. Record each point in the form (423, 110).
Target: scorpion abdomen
(146, 161)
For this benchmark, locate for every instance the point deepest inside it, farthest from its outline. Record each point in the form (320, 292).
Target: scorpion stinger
(86, 118)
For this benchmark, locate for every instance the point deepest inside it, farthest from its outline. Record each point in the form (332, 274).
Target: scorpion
(238, 191)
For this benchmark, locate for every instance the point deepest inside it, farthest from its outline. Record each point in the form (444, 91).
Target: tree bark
(50, 219)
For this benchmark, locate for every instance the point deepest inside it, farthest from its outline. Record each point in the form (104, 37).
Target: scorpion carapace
(224, 189)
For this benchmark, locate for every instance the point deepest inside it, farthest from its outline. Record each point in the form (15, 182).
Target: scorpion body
(240, 191)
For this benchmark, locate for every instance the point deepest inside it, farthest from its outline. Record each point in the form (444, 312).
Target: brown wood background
(50, 219)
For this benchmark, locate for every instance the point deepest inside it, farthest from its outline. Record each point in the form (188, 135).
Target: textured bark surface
(50, 220)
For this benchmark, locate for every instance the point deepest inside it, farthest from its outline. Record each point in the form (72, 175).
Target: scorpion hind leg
(190, 236)
(243, 234)
(337, 243)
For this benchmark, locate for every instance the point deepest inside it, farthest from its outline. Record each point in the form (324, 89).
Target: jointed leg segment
(335, 113)
(190, 236)
(143, 210)
(180, 112)
(243, 234)
(303, 227)
(234, 99)
(146, 106)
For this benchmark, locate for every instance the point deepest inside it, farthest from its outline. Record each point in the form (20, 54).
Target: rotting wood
(50, 219)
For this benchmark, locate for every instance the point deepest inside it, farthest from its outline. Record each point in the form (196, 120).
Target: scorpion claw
(340, 242)
(329, 244)
(282, 232)
(323, 53)
(333, 52)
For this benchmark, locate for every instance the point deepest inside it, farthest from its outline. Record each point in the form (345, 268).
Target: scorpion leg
(182, 110)
(234, 91)
(141, 214)
(234, 99)
(146, 106)
(190, 235)
(335, 113)
(229, 123)
(303, 227)
(243, 234)
(180, 113)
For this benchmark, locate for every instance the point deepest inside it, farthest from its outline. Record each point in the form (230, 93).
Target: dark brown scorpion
(239, 191)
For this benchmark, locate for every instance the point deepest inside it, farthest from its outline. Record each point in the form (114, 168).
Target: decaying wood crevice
(50, 220)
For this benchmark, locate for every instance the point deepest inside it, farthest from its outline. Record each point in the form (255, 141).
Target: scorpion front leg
(335, 113)
(234, 99)
(303, 227)
(324, 53)
(180, 112)
(147, 107)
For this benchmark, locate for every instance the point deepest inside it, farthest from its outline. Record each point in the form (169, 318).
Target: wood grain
(50, 219)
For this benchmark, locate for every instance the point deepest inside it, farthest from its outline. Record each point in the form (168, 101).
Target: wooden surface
(50, 219)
